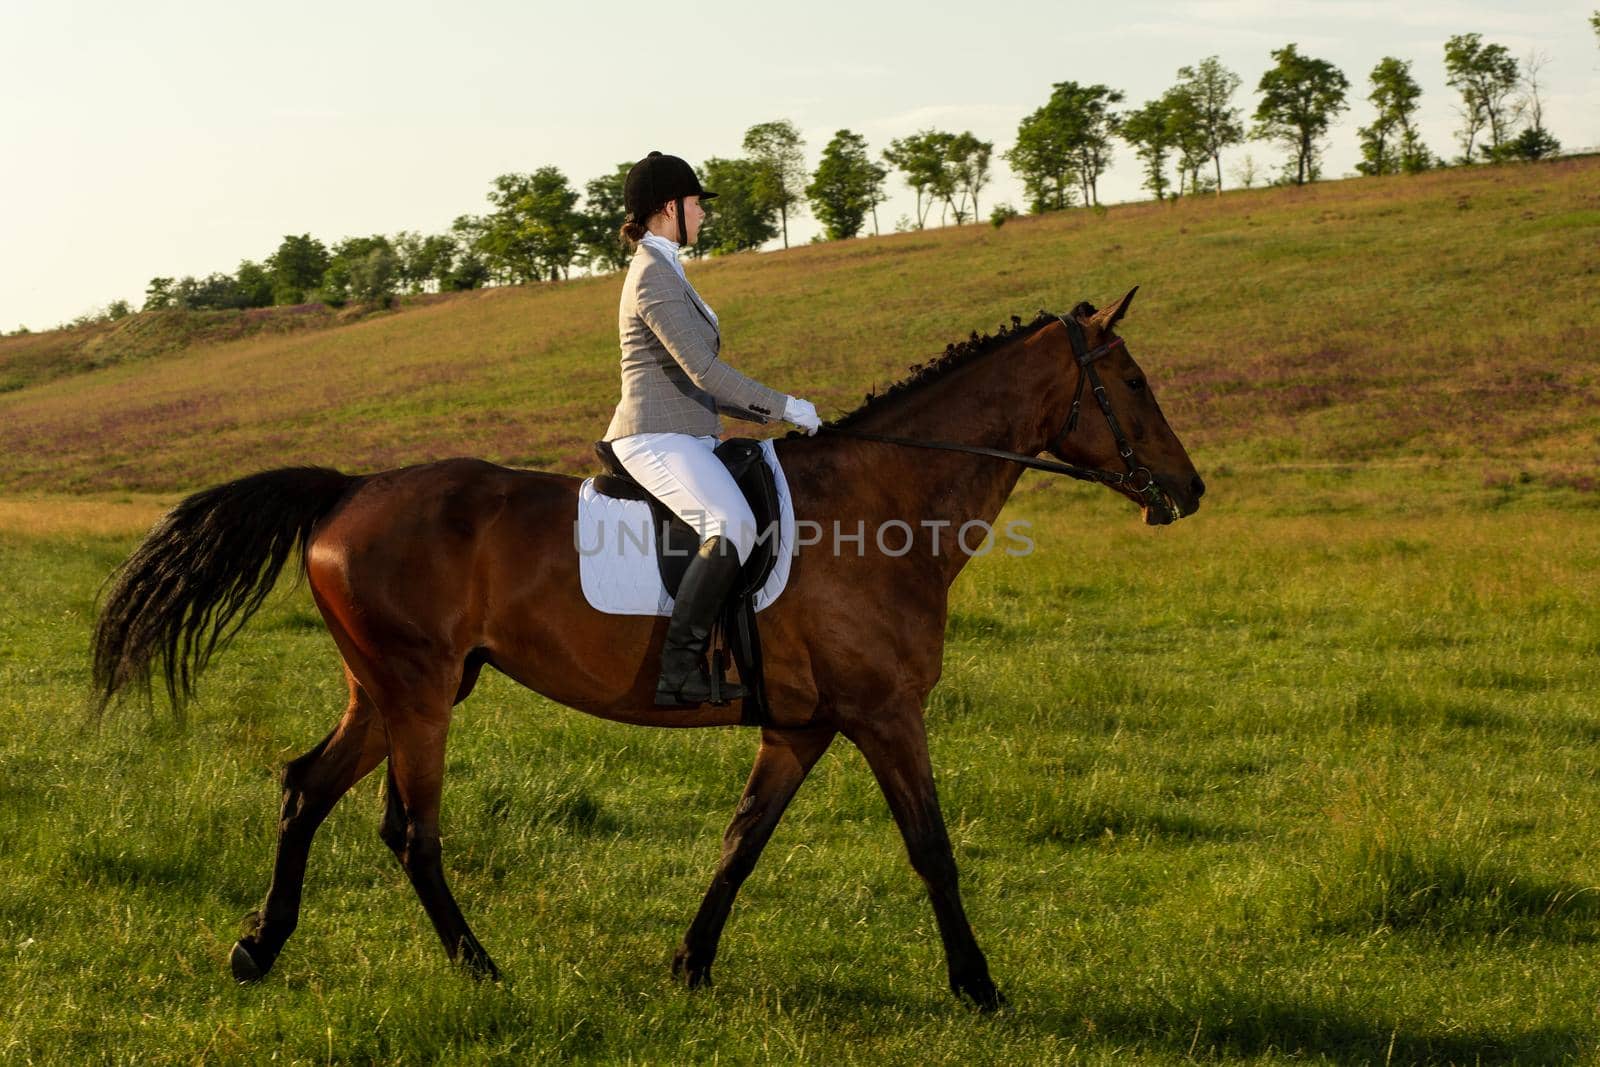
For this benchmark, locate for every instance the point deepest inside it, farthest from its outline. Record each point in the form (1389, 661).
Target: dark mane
(955, 355)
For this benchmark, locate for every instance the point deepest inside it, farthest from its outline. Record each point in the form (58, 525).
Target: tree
(1300, 97)
(361, 269)
(373, 277)
(1379, 154)
(942, 189)
(1391, 145)
(877, 195)
(774, 147)
(742, 216)
(412, 273)
(500, 236)
(845, 186)
(421, 260)
(1042, 159)
(1246, 172)
(1414, 155)
(296, 268)
(1485, 75)
(1092, 124)
(1594, 24)
(950, 168)
(1067, 140)
(435, 260)
(214, 292)
(604, 212)
(967, 166)
(472, 269)
(158, 294)
(254, 283)
(533, 231)
(1210, 87)
(920, 158)
(1534, 142)
(1186, 127)
(1149, 130)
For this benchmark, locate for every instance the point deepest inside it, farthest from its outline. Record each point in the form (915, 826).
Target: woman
(667, 424)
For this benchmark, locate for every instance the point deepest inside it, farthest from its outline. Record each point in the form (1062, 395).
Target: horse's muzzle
(1177, 500)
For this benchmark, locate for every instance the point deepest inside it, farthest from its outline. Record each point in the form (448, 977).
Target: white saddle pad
(616, 545)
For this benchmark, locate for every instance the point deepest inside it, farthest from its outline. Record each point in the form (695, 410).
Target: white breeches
(683, 473)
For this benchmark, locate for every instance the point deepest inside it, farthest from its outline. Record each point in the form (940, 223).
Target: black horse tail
(201, 573)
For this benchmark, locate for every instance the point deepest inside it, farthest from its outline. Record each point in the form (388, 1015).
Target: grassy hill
(1451, 316)
(28, 359)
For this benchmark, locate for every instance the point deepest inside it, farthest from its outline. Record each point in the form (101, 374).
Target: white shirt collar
(662, 245)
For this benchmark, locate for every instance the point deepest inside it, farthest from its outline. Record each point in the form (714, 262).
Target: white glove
(802, 414)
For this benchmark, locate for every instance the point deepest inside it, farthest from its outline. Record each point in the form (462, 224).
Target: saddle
(677, 542)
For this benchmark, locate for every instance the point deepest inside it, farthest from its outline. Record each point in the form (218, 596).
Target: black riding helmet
(655, 180)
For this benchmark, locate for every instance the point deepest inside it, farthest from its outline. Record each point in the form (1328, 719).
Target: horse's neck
(999, 400)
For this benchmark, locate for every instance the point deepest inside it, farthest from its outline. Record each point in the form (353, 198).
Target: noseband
(1136, 480)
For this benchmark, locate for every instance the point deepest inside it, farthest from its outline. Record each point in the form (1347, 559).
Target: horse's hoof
(981, 991)
(245, 968)
(695, 976)
(482, 968)
(474, 959)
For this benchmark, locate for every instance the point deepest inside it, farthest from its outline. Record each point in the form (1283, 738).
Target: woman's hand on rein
(802, 413)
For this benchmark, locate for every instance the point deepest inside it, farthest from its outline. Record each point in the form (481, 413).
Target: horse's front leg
(896, 748)
(782, 763)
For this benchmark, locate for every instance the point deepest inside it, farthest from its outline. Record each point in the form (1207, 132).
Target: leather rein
(1137, 479)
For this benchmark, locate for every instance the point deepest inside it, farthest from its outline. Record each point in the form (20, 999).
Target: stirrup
(698, 690)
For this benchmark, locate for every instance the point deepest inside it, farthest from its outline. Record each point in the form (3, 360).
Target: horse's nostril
(1198, 486)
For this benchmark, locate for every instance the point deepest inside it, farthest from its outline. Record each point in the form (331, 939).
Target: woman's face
(693, 216)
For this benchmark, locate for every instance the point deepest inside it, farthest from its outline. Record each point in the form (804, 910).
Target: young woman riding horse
(425, 574)
(666, 425)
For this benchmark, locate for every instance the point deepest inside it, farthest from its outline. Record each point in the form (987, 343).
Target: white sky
(172, 138)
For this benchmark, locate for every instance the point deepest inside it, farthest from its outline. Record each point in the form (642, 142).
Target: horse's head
(1110, 421)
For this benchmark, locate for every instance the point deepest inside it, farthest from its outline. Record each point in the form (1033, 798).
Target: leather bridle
(1136, 480)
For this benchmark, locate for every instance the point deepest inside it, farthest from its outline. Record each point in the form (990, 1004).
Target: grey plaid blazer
(672, 380)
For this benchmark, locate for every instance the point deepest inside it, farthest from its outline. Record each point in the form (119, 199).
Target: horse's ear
(1113, 314)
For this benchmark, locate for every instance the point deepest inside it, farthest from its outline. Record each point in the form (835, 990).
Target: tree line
(539, 226)
(1062, 149)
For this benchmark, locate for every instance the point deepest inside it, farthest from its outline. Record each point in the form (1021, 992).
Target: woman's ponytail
(633, 231)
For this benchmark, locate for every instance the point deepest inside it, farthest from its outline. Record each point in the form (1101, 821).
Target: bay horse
(425, 574)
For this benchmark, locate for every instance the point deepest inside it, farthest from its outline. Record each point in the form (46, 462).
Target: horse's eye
(1136, 384)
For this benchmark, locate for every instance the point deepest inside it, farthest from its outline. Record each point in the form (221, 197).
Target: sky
(168, 138)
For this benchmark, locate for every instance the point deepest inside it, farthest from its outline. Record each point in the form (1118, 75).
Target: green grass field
(1310, 777)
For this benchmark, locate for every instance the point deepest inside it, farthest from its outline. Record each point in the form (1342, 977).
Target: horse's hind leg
(782, 763)
(896, 748)
(312, 785)
(411, 826)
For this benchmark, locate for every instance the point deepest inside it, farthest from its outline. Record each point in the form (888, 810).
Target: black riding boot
(705, 584)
